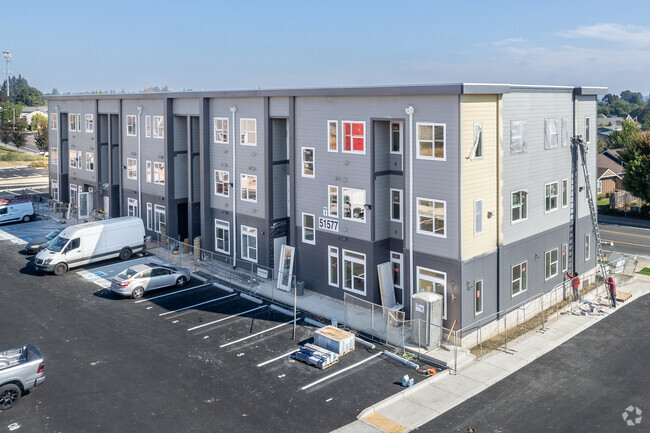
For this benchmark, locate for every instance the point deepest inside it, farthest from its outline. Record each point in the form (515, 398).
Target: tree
(629, 132)
(38, 122)
(636, 159)
(9, 112)
(42, 139)
(30, 97)
(18, 139)
(601, 145)
(609, 98)
(55, 92)
(632, 97)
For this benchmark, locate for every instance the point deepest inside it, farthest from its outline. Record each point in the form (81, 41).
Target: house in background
(610, 172)
(29, 112)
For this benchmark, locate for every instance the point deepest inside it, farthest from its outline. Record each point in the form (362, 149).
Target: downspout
(233, 110)
(410, 112)
(58, 152)
(140, 172)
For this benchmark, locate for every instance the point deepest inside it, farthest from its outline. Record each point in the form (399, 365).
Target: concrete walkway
(430, 398)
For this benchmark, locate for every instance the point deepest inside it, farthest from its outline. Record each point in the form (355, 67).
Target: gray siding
(279, 107)
(180, 176)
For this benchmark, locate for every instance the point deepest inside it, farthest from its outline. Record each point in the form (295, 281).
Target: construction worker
(575, 283)
(611, 285)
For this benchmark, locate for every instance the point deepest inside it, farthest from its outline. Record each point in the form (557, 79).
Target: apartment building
(465, 189)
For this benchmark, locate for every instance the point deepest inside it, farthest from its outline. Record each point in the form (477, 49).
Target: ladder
(582, 148)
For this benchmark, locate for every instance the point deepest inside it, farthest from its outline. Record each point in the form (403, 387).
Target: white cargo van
(91, 242)
(16, 209)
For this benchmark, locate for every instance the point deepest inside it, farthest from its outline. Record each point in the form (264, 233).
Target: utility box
(427, 319)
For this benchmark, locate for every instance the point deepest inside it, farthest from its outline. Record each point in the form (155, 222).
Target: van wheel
(27, 218)
(137, 293)
(181, 281)
(60, 269)
(9, 396)
(125, 254)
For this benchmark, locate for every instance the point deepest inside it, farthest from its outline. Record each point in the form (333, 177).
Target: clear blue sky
(212, 45)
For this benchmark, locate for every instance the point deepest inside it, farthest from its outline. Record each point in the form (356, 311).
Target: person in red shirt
(575, 283)
(611, 285)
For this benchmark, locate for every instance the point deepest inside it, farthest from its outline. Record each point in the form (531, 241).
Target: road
(626, 239)
(584, 385)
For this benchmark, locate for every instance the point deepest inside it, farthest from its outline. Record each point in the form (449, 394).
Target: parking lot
(197, 358)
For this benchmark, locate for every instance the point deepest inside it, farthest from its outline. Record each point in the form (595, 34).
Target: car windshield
(57, 244)
(51, 235)
(126, 274)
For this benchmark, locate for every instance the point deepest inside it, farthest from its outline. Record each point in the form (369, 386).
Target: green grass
(603, 202)
(644, 271)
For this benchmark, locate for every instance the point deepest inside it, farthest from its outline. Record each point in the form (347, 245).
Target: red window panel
(354, 137)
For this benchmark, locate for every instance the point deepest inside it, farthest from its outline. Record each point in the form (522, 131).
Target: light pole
(7, 56)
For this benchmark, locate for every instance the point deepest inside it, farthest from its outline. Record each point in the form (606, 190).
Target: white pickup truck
(21, 369)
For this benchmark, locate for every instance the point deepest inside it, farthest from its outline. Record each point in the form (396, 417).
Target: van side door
(72, 252)
(4, 213)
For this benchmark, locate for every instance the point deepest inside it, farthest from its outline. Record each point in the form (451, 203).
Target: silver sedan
(138, 279)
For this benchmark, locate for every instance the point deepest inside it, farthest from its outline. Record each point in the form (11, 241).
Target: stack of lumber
(316, 356)
(334, 339)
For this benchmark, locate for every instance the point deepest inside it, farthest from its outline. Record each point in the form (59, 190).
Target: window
(519, 206)
(333, 201)
(308, 228)
(248, 131)
(587, 130)
(130, 126)
(158, 127)
(54, 155)
(431, 217)
(249, 187)
(396, 260)
(478, 297)
(90, 161)
(353, 204)
(160, 218)
(519, 278)
(564, 138)
(73, 159)
(430, 280)
(396, 205)
(221, 130)
(551, 133)
(518, 142)
(147, 126)
(132, 207)
(73, 194)
(354, 137)
(308, 162)
(587, 247)
(565, 258)
(78, 122)
(149, 216)
(551, 196)
(222, 236)
(477, 148)
(249, 243)
(131, 168)
(550, 261)
(333, 137)
(54, 120)
(55, 189)
(431, 141)
(333, 266)
(89, 123)
(221, 179)
(354, 272)
(599, 187)
(396, 137)
(565, 192)
(478, 217)
(72, 121)
(149, 170)
(159, 173)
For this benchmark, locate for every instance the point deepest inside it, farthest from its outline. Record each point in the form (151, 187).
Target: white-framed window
(588, 130)
(74, 200)
(478, 297)
(552, 129)
(478, 216)
(431, 141)
(518, 139)
(519, 278)
(430, 280)
(249, 243)
(73, 158)
(131, 168)
(248, 131)
(333, 137)
(90, 127)
(221, 130)
(354, 272)
(308, 228)
(550, 262)
(354, 201)
(396, 205)
(54, 155)
(599, 187)
(565, 192)
(90, 161)
(158, 127)
(55, 189)
(149, 216)
(54, 121)
(397, 262)
(72, 122)
(396, 137)
(519, 206)
(131, 130)
(221, 185)
(149, 171)
(333, 201)
(550, 194)
(159, 173)
(477, 148)
(565, 258)
(249, 187)
(160, 217)
(78, 122)
(132, 207)
(354, 137)
(147, 126)
(432, 217)
(587, 246)
(308, 162)
(222, 236)
(333, 266)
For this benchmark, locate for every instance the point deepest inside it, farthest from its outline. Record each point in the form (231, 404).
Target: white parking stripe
(172, 293)
(341, 371)
(259, 333)
(279, 357)
(226, 318)
(196, 305)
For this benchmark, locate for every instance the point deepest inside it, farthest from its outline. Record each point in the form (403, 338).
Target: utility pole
(7, 56)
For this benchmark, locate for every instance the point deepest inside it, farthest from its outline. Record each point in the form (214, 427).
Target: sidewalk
(423, 402)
